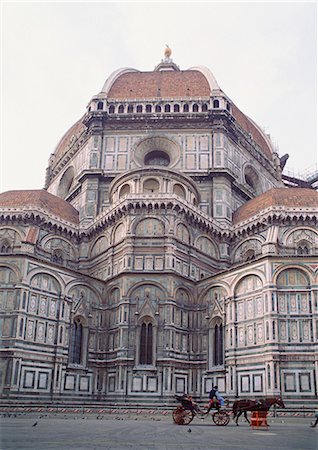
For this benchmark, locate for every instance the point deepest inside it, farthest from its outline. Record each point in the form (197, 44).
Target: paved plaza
(156, 432)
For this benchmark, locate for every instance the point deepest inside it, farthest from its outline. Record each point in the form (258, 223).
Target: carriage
(185, 413)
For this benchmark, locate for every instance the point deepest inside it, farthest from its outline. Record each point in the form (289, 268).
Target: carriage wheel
(182, 416)
(221, 418)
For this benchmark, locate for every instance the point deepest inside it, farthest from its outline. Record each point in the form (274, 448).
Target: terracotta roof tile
(165, 84)
(288, 197)
(40, 198)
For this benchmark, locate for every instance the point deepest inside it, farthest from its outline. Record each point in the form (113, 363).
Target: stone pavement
(148, 433)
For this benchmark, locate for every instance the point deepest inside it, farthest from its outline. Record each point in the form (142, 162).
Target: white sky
(56, 56)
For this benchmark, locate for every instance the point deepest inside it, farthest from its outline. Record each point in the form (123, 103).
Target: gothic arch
(207, 246)
(80, 290)
(248, 283)
(144, 286)
(14, 269)
(54, 275)
(8, 276)
(294, 275)
(183, 233)
(183, 296)
(119, 233)
(240, 251)
(149, 226)
(217, 284)
(46, 282)
(53, 242)
(99, 245)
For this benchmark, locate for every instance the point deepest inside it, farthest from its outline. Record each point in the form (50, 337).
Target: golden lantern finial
(168, 51)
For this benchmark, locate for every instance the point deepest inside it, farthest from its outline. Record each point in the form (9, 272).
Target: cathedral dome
(28, 199)
(165, 84)
(277, 197)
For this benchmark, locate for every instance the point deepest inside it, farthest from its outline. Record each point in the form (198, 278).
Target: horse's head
(279, 402)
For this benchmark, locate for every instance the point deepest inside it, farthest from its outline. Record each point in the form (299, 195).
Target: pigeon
(35, 424)
(189, 430)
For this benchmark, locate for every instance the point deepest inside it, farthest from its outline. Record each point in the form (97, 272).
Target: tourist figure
(313, 425)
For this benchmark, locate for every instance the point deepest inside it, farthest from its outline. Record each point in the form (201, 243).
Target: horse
(244, 405)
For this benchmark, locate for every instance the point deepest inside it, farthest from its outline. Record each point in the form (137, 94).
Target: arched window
(179, 190)
(120, 109)
(303, 248)
(204, 107)
(21, 329)
(100, 105)
(76, 341)
(158, 108)
(148, 108)
(218, 345)
(195, 108)
(146, 343)
(139, 109)
(167, 108)
(130, 109)
(125, 190)
(228, 107)
(176, 108)
(216, 104)
(5, 247)
(151, 186)
(249, 255)
(57, 256)
(186, 108)
(111, 109)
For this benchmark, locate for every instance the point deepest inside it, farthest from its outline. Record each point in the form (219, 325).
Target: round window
(157, 158)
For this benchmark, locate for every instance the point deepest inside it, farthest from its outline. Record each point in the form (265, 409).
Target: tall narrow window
(216, 104)
(76, 342)
(146, 339)
(100, 105)
(218, 345)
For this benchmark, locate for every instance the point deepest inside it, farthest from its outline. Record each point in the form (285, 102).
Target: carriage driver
(216, 400)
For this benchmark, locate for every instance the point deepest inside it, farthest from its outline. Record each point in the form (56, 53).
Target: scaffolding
(307, 179)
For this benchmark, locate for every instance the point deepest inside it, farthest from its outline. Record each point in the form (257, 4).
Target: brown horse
(263, 404)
